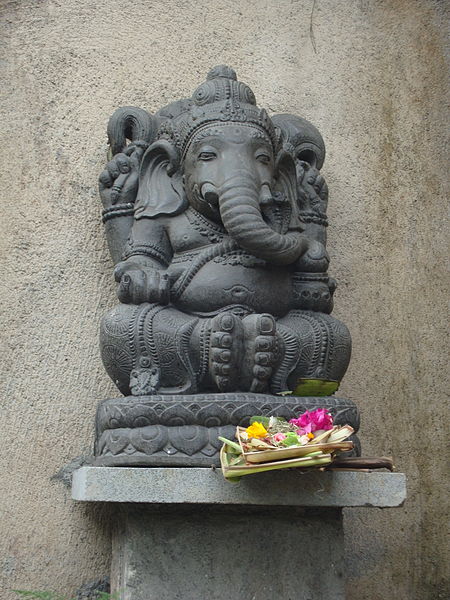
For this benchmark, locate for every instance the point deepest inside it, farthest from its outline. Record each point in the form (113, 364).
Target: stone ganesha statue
(215, 215)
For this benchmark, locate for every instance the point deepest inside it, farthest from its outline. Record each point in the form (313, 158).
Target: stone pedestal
(183, 430)
(213, 553)
(187, 534)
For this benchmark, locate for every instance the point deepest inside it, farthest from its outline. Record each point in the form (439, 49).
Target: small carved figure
(215, 215)
(216, 219)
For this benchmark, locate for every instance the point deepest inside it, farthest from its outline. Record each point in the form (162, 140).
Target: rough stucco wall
(371, 75)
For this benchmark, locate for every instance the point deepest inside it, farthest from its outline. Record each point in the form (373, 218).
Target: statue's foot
(226, 348)
(261, 346)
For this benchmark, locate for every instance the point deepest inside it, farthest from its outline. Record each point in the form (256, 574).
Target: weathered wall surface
(371, 75)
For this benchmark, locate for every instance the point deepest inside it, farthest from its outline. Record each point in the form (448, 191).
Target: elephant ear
(303, 139)
(286, 183)
(161, 190)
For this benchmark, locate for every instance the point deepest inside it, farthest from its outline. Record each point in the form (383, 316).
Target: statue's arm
(313, 288)
(149, 244)
(118, 186)
(139, 247)
(141, 272)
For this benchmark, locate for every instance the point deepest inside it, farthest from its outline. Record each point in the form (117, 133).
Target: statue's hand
(118, 183)
(315, 259)
(138, 283)
(314, 187)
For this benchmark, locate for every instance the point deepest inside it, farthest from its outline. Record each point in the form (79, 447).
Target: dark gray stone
(215, 215)
(93, 590)
(217, 554)
(178, 430)
(187, 534)
(64, 475)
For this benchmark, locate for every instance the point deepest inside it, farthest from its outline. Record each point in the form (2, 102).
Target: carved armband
(317, 218)
(313, 291)
(118, 210)
(151, 250)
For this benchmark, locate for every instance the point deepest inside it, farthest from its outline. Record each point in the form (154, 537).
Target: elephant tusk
(210, 194)
(265, 195)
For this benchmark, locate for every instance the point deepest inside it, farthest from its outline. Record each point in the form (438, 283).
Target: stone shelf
(187, 534)
(207, 486)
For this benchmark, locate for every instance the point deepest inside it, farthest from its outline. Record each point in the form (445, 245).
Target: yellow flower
(256, 430)
(310, 436)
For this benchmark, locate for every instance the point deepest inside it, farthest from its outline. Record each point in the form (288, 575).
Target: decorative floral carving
(156, 428)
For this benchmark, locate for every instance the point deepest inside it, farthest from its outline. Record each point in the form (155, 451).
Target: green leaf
(231, 444)
(315, 461)
(35, 595)
(235, 460)
(291, 439)
(263, 420)
(315, 387)
(233, 479)
(281, 420)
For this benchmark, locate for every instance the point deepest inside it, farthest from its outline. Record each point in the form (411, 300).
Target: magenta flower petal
(321, 419)
(305, 419)
(305, 430)
(314, 420)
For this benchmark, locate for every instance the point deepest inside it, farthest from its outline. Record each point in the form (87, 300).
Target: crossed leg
(164, 350)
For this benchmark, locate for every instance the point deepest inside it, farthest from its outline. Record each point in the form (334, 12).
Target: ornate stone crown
(220, 99)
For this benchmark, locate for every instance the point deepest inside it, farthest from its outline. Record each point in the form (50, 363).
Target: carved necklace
(215, 233)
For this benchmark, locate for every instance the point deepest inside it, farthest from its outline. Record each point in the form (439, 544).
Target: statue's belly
(218, 285)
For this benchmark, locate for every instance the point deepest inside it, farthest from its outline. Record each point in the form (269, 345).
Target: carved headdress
(220, 99)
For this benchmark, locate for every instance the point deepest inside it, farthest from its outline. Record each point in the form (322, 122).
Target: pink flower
(314, 420)
(306, 429)
(279, 437)
(322, 419)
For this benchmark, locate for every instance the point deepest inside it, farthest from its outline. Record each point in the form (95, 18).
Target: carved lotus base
(180, 430)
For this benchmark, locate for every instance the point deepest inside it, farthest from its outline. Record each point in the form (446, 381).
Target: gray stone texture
(217, 227)
(199, 485)
(185, 429)
(217, 554)
(372, 76)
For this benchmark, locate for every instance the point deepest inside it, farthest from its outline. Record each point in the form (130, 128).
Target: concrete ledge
(168, 485)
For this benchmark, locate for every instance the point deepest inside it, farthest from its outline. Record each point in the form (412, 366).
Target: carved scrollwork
(218, 409)
(154, 430)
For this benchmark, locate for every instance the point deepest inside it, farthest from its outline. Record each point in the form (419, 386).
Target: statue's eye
(207, 155)
(263, 158)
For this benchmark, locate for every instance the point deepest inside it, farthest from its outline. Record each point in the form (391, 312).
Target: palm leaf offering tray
(271, 443)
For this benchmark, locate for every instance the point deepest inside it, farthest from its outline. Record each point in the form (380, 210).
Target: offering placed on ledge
(271, 443)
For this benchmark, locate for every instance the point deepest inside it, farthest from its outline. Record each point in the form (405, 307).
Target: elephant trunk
(241, 215)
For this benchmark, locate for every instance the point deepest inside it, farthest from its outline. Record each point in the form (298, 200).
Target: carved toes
(264, 359)
(265, 324)
(221, 339)
(261, 352)
(225, 351)
(243, 354)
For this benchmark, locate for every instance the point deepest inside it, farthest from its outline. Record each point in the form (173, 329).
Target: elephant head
(222, 155)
